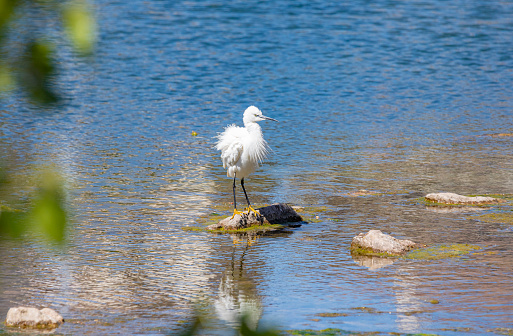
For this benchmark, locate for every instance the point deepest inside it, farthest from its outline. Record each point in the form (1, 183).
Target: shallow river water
(400, 98)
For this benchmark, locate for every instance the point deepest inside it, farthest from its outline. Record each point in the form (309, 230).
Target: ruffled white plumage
(242, 149)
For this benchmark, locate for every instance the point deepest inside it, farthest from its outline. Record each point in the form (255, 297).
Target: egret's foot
(256, 212)
(235, 212)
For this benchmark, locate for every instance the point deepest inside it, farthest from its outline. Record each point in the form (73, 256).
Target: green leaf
(38, 70)
(80, 26)
(12, 222)
(48, 215)
(245, 330)
(6, 79)
(192, 327)
(6, 12)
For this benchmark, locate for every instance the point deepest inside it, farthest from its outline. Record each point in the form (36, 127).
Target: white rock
(452, 198)
(52, 316)
(29, 317)
(380, 242)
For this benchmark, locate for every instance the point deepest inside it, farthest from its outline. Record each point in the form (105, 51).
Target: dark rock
(280, 213)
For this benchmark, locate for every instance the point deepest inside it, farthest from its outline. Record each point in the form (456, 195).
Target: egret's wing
(232, 155)
(230, 145)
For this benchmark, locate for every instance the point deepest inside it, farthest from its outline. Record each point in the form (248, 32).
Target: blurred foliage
(42, 213)
(28, 61)
(27, 58)
(47, 214)
(197, 324)
(80, 26)
(39, 70)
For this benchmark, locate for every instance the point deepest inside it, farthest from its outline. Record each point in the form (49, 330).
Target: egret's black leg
(245, 194)
(235, 212)
(250, 208)
(234, 199)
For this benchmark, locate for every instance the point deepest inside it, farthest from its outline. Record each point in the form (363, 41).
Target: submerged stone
(29, 317)
(367, 310)
(452, 198)
(454, 209)
(362, 192)
(378, 243)
(331, 314)
(498, 135)
(505, 218)
(442, 252)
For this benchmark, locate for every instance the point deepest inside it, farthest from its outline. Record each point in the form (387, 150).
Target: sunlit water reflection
(396, 98)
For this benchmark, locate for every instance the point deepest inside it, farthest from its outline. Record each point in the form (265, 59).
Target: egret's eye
(256, 115)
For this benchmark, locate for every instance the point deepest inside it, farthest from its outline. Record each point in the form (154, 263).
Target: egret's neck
(253, 127)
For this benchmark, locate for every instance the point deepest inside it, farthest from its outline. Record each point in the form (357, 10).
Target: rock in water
(29, 317)
(378, 242)
(278, 213)
(452, 198)
(238, 222)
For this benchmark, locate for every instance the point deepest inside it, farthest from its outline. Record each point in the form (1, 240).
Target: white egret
(243, 149)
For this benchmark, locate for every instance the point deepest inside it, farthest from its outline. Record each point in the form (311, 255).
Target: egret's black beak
(267, 118)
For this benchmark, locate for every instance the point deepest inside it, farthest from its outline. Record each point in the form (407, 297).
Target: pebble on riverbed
(29, 317)
(378, 243)
(452, 198)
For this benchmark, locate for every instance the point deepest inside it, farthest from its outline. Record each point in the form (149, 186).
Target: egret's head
(253, 114)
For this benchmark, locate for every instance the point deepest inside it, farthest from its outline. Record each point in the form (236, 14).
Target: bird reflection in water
(244, 239)
(237, 296)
